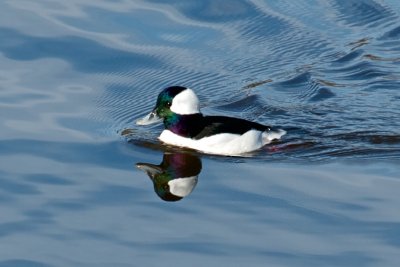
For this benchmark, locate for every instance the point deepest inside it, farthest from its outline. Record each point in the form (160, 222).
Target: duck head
(172, 100)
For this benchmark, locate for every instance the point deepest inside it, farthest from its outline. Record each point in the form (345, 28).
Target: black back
(197, 126)
(212, 125)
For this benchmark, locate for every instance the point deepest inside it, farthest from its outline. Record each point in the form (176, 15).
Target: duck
(185, 126)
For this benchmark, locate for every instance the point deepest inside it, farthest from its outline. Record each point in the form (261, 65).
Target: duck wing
(213, 125)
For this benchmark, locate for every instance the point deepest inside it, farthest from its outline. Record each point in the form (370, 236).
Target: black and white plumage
(178, 108)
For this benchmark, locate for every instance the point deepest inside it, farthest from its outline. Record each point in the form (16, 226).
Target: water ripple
(363, 13)
(324, 72)
(75, 75)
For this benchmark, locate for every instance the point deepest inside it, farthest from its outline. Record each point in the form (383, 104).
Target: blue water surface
(82, 185)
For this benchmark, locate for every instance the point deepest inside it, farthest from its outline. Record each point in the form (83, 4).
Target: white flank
(186, 102)
(182, 187)
(225, 143)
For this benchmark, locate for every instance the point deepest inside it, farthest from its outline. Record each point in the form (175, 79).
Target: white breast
(221, 144)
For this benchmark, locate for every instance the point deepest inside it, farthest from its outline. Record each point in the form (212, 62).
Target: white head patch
(186, 102)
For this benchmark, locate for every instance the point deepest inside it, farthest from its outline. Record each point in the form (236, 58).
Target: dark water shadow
(217, 11)
(22, 263)
(363, 13)
(69, 152)
(83, 54)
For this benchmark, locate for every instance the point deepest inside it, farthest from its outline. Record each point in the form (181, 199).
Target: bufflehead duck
(185, 126)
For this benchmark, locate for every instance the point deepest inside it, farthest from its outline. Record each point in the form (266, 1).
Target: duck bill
(150, 118)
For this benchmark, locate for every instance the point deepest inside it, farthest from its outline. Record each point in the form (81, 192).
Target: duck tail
(273, 134)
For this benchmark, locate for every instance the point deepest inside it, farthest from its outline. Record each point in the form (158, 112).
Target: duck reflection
(175, 177)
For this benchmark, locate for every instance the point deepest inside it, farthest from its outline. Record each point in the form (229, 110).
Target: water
(75, 75)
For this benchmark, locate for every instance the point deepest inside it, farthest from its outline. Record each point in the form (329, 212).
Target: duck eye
(169, 103)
